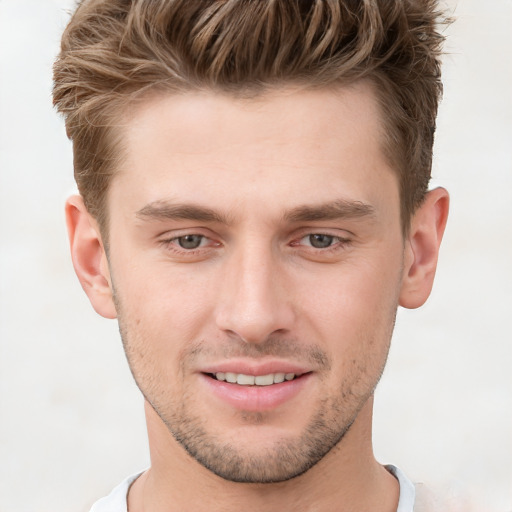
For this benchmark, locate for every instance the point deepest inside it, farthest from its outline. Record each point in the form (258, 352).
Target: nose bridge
(252, 303)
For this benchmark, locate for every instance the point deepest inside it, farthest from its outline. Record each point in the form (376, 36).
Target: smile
(253, 380)
(256, 393)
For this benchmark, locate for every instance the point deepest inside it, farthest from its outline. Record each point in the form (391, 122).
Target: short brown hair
(115, 50)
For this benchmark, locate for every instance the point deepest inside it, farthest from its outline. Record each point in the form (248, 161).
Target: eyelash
(172, 244)
(338, 244)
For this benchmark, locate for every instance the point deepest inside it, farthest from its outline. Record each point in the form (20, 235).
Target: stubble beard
(284, 460)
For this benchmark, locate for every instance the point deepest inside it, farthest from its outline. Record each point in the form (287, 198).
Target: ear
(89, 257)
(422, 248)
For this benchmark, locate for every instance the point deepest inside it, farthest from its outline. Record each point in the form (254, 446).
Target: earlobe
(422, 248)
(89, 257)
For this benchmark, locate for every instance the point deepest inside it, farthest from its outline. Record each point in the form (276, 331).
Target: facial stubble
(286, 458)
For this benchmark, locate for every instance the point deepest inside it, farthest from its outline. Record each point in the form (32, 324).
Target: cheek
(354, 297)
(354, 314)
(162, 314)
(163, 297)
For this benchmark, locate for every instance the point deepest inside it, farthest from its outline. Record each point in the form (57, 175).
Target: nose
(254, 300)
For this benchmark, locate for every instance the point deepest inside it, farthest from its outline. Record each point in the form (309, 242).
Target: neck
(348, 478)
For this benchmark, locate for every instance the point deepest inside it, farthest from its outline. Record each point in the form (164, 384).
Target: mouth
(249, 392)
(256, 385)
(243, 379)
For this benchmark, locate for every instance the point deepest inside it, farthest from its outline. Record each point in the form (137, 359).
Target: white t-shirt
(116, 500)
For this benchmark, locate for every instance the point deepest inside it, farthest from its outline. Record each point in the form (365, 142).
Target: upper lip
(255, 368)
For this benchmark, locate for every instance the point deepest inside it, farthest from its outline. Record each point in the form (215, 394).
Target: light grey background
(71, 420)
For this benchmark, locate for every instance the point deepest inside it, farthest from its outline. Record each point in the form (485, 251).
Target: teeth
(252, 380)
(231, 377)
(245, 380)
(279, 377)
(264, 380)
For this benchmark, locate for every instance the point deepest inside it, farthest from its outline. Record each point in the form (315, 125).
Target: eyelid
(334, 237)
(169, 240)
(340, 243)
(202, 242)
(172, 234)
(334, 232)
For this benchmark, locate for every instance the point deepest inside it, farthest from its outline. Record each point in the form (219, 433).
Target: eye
(321, 244)
(189, 247)
(319, 240)
(190, 241)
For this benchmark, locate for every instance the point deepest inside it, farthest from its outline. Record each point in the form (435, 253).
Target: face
(256, 258)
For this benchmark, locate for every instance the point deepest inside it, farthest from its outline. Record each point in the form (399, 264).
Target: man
(253, 208)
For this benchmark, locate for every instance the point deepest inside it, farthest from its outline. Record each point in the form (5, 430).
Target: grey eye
(319, 241)
(190, 241)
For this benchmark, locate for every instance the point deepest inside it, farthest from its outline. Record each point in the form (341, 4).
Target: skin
(300, 261)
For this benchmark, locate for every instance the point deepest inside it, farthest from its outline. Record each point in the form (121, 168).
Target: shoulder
(116, 500)
(448, 498)
(420, 497)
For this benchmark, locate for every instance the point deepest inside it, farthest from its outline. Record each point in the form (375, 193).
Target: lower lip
(256, 398)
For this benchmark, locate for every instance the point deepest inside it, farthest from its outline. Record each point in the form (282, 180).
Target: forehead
(287, 143)
(321, 113)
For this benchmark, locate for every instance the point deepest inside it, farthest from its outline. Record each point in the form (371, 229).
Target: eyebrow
(165, 210)
(340, 209)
